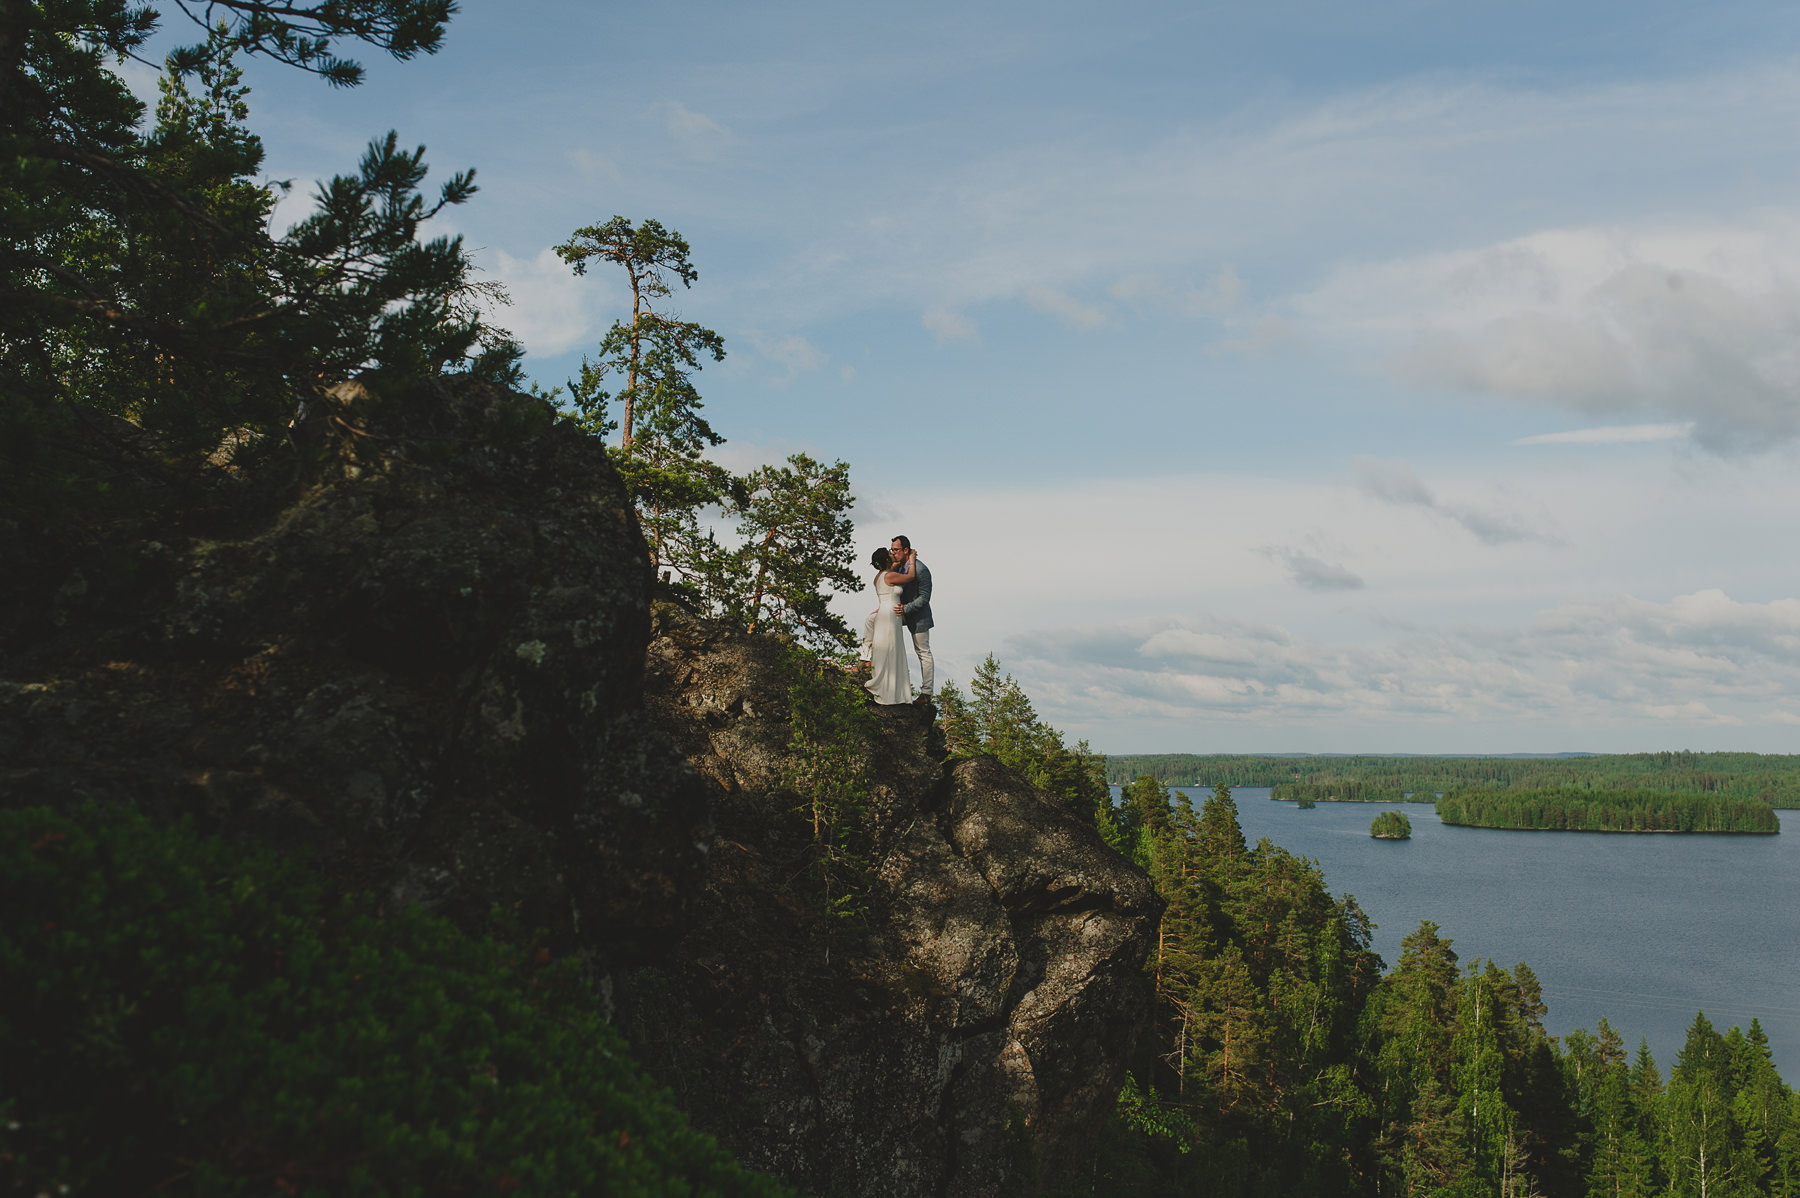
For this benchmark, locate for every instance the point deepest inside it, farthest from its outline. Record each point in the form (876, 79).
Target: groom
(915, 611)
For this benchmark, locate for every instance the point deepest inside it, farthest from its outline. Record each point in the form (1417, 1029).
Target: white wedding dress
(889, 676)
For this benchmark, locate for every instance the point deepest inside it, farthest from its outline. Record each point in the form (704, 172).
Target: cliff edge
(428, 660)
(967, 1035)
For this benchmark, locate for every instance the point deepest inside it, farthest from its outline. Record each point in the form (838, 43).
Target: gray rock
(968, 1037)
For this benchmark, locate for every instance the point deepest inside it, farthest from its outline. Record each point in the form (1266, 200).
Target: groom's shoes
(922, 701)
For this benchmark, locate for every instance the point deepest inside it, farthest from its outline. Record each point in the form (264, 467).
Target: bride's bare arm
(895, 578)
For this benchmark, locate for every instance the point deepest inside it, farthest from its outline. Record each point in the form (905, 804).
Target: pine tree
(1144, 816)
(150, 321)
(962, 735)
(1479, 1063)
(1220, 835)
(998, 717)
(796, 527)
(1700, 1156)
(663, 436)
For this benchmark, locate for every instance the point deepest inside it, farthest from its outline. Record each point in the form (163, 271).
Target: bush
(188, 1016)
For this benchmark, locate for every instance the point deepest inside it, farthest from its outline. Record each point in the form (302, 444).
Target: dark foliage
(182, 1015)
(155, 339)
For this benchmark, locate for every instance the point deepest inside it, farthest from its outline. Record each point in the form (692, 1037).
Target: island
(1577, 809)
(1391, 825)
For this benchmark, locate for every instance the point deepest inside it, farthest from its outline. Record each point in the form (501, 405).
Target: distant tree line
(1566, 809)
(1773, 778)
(1342, 790)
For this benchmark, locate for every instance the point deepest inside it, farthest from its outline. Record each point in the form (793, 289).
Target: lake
(1644, 929)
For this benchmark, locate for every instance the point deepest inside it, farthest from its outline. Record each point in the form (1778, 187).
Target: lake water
(1643, 929)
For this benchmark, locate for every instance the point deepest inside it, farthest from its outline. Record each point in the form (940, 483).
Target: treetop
(302, 34)
(650, 252)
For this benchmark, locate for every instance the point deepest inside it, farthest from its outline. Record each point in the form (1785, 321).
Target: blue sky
(1284, 377)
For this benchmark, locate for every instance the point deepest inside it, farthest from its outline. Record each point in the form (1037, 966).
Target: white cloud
(552, 309)
(1219, 295)
(1613, 434)
(793, 352)
(1699, 659)
(1395, 482)
(1140, 290)
(946, 325)
(1444, 618)
(1315, 573)
(1697, 324)
(1404, 165)
(1064, 307)
(1222, 293)
(697, 134)
(1264, 335)
(594, 165)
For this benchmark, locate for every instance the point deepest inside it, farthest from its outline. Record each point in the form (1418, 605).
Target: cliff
(428, 660)
(969, 1033)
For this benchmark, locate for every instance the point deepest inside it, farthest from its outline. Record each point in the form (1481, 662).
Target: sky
(1291, 377)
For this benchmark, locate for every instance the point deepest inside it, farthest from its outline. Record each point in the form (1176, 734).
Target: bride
(889, 677)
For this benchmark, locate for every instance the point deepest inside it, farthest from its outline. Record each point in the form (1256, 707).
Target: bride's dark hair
(881, 559)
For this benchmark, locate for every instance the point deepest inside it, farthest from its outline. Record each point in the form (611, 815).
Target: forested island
(1566, 809)
(1391, 825)
(1773, 778)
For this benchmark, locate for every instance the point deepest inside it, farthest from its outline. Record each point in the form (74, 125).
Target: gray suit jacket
(915, 597)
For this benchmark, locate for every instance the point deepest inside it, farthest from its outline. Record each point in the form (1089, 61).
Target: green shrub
(188, 1016)
(829, 765)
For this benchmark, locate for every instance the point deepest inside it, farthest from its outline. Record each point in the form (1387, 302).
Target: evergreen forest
(1772, 778)
(1285, 1057)
(1566, 809)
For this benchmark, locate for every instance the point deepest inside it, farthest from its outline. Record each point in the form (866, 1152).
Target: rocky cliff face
(427, 664)
(967, 1036)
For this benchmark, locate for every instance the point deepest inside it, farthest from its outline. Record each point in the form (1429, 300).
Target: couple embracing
(902, 601)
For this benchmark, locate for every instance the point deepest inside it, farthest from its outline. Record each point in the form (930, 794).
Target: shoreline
(1613, 831)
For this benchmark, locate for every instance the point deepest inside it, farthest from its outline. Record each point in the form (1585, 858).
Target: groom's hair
(881, 559)
(904, 543)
